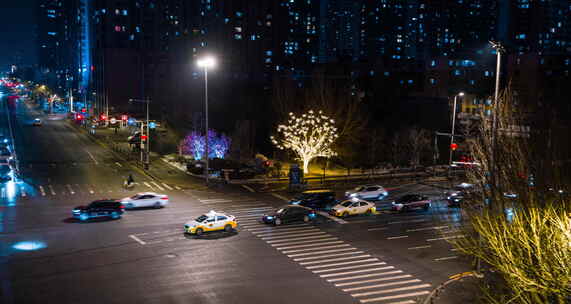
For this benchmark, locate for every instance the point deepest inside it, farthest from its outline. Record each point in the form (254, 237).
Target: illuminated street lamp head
(461, 94)
(206, 62)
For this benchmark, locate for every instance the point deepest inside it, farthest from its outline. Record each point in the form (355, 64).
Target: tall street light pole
(206, 62)
(499, 50)
(453, 125)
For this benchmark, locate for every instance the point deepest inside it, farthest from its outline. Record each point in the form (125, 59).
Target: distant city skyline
(17, 32)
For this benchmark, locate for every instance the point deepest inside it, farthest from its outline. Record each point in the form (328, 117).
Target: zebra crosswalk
(363, 276)
(25, 190)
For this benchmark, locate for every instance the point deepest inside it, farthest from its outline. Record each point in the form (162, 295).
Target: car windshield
(136, 196)
(346, 203)
(201, 218)
(360, 188)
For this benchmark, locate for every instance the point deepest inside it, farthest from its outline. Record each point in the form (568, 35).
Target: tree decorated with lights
(194, 144)
(309, 136)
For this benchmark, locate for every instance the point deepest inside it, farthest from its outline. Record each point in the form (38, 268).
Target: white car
(37, 122)
(145, 199)
(352, 207)
(211, 221)
(458, 190)
(368, 192)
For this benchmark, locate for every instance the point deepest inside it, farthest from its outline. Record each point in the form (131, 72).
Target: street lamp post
(206, 63)
(499, 50)
(453, 125)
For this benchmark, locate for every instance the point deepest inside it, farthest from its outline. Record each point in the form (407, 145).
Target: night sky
(17, 32)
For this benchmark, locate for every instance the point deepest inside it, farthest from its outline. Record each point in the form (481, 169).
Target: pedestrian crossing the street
(356, 272)
(26, 191)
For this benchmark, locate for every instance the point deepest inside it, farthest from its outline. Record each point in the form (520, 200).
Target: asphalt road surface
(144, 257)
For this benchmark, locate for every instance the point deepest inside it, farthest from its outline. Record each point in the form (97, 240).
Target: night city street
(285, 151)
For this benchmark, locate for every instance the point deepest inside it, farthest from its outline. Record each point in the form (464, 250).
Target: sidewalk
(464, 290)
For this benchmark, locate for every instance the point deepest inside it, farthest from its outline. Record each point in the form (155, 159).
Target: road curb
(453, 278)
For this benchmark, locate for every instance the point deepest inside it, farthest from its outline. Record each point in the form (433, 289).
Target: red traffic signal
(453, 147)
(124, 117)
(144, 137)
(83, 110)
(103, 117)
(79, 117)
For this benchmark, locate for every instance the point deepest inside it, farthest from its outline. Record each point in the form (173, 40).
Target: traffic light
(144, 137)
(152, 125)
(103, 117)
(453, 146)
(124, 117)
(78, 117)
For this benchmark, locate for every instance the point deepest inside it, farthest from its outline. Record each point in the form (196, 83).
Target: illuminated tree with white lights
(308, 136)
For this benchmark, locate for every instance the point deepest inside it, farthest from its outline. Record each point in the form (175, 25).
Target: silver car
(367, 192)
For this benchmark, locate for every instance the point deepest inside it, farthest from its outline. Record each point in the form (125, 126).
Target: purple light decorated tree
(194, 144)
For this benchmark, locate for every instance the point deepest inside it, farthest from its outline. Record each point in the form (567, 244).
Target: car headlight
(353, 194)
(269, 217)
(295, 202)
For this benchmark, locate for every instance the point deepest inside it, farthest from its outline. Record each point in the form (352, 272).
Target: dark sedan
(288, 214)
(102, 208)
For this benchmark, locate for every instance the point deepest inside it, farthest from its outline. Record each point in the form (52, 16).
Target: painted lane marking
(334, 260)
(91, 155)
(328, 256)
(308, 241)
(406, 222)
(118, 164)
(397, 237)
(362, 276)
(377, 228)
(445, 238)
(166, 186)
(344, 263)
(42, 191)
(293, 235)
(320, 252)
(427, 228)
(446, 258)
(281, 227)
(291, 232)
(406, 295)
(148, 185)
(381, 285)
(355, 271)
(70, 189)
(404, 302)
(333, 218)
(273, 229)
(248, 188)
(404, 276)
(90, 189)
(280, 197)
(309, 245)
(349, 267)
(52, 189)
(294, 240)
(419, 247)
(177, 188)
(313, 249)
(370, 293)
(137, 239)
(158, 186)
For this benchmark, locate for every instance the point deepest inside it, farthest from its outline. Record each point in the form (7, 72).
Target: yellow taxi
(211, 221)
(353, 206)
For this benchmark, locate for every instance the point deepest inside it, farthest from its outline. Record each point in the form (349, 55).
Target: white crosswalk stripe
(328, 256)
(343, 263)
(349, 267)
(166, 186)
(325, 238)
(404, 276)
(158, 186)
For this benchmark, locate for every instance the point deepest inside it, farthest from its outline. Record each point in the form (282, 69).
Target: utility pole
(499, 50)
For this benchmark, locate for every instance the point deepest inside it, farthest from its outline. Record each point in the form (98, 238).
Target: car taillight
(165, 198)
(121, 206)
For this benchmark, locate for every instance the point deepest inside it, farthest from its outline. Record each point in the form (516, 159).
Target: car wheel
(83, 217)
(157, 205)
(368, 212)
(199, 231)
(306, 218)
(345, 214)
(278, 222)
(228, 228)
(115, 215)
